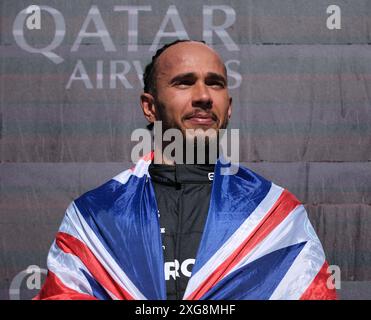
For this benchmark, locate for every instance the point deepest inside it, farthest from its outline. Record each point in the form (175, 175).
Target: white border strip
(140, 169)
(301, 274)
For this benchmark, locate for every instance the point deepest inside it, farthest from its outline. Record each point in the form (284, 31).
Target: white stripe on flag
(124, 176)
(139, 171)
(67, 268)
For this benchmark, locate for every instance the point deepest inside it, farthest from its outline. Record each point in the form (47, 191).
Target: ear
(230, 108)
(148, 106)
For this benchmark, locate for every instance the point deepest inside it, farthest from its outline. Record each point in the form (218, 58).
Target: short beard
(211, 141)
(166, 123)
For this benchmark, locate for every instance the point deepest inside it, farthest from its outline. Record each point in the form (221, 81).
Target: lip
(201, 120)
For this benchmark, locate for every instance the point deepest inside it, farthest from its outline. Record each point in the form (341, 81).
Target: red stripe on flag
(54, 289)
(318, 289)
(149, 156)
(70, 244)
(280, 210)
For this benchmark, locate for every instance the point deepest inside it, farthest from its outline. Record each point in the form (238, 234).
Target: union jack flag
(257, 244)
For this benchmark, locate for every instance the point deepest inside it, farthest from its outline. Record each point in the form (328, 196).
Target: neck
(161, 157)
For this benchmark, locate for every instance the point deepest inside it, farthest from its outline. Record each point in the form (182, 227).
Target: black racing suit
(183, 196)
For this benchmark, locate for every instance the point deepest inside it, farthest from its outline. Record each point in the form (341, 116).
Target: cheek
(223, 106)
(173, 107)
(178, 105)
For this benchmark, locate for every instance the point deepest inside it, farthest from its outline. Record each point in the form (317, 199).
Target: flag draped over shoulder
(257, 244)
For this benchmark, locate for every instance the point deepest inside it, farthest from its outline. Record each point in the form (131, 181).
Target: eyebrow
(192, 75)
(216, 76)
(183, 76)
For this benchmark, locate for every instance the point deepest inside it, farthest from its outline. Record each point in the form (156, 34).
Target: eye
(216, 84)
(182, 84)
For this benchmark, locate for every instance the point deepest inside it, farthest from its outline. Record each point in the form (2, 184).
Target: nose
(202, 97)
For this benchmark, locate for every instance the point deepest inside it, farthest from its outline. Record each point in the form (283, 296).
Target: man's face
(191, 88)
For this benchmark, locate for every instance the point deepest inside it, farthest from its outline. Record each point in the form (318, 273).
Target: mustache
(200, 114)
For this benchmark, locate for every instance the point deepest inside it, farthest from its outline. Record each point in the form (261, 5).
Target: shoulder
(113, 188)
(261, 182)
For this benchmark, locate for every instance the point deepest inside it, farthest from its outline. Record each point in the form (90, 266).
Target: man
(171, 230)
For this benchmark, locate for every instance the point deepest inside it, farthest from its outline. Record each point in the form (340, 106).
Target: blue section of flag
(98, 290)
(258, 279)
(233, 198)
(124, 218)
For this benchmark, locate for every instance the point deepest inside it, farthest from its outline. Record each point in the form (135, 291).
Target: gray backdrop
(301, 101)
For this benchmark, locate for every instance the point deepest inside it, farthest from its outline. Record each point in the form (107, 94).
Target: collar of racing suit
(178, 174)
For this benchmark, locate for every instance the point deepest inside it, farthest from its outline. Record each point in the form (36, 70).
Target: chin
(201, 131)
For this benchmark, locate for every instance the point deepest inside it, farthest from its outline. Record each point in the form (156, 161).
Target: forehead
(189, 57)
